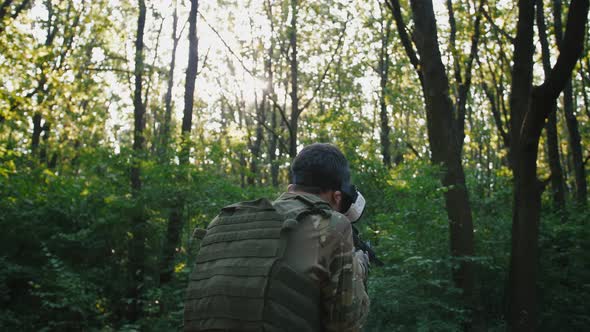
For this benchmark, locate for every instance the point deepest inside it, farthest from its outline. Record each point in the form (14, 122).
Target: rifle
(359, 244)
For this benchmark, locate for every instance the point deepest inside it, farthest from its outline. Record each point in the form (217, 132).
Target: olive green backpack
(240, 281)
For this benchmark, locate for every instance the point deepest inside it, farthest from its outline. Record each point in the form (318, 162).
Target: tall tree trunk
(272, 148)
(41, 89)
(43, 153)
(575, 144)
(255, 146)
(175, 220)
(584, 92)
(530, 108)
(557, 181)
(575, 141)
(138, 222)
(165, 131)
(383, 74)
(444, 146)
(293, 63)
(36, 137)
(272, 107)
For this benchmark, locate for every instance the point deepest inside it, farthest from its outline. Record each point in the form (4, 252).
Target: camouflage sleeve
(344, 298)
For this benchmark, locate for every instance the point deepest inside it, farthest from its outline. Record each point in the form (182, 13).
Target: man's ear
(337, 196)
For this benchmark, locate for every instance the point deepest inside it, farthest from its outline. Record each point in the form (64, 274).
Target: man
(288, 265)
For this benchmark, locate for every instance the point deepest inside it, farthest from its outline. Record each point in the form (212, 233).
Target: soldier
(288, 265)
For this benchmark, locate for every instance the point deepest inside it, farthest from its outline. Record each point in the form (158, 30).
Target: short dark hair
(320, 167)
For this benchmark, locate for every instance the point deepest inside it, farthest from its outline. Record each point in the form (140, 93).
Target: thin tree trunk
(44, 147)
(138, 222)
(383, 74)
(175, 220)
(41, 89)
(557, 182)
(575, 144)
(272, 148)
(256, 145)
(584, 92)
(272, 107)
(273, 138)
(293, 63)
(571, 121)
(36, 137)
(165, 132)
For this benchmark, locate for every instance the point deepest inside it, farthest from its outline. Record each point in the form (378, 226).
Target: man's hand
(363, 259)
(365, 247)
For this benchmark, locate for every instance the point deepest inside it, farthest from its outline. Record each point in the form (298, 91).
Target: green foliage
(564, 290)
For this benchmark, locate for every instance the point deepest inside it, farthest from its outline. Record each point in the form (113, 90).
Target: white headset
(357, 207)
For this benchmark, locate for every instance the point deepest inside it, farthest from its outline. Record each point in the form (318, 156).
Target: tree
(165, 126)
(529, 109)
(138, 219)
(175, 221)
(445, 131)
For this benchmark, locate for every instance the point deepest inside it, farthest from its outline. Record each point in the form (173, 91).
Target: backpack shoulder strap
(293, 215)
(261, 204)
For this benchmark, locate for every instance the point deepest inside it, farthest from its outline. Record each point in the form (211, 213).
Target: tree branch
(277, 136)
(497, 28)
(560, 74)
(20, 8)
(453, 43)
(105, 69)
(495, 113)
(395, 8)
(204, 62)
(4, 7)
(465, 85)
(571, 48)
(227, 46)
(281, 112)
(411, 147)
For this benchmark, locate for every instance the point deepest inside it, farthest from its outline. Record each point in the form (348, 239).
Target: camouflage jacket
(322, 249)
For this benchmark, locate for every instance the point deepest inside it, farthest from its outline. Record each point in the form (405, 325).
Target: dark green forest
(126, 124)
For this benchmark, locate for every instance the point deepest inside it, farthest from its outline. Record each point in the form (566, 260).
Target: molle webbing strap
(277, 314)
(212, 324)
(261, 233)
(250, 271)
(297, 294)
(230, 228)
(251, 287)
(244, 309)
